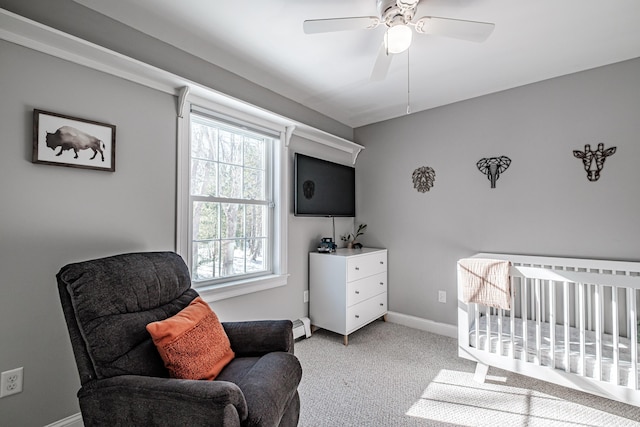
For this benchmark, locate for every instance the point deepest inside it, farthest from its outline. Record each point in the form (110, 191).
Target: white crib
(573, 322)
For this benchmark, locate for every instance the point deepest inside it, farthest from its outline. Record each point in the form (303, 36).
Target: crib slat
(567, 338)
(532, 298)
(633, 316)
(477, 325)
(500, 314)
(538, 313)
(512, 315)
(525, 333)
(488, 341)
(599, 291)
(629, 319)
(582, 361)
(588, 294)
(576, 307)
(543, 298)
(615, 332)
(552, 322)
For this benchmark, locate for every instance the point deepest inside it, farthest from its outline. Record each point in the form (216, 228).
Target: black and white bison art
(70, 138)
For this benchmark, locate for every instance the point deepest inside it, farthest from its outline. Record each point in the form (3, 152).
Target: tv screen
(323, 188)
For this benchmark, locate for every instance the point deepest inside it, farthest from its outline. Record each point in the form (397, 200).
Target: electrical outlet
(305, 296)
(442, 296)
(11, 382)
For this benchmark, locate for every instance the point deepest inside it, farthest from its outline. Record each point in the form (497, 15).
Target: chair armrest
(259, 337)
(138, 400)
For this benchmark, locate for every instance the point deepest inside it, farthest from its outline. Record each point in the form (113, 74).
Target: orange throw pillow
(193, 343)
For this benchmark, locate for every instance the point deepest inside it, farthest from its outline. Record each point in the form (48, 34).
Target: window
(233, 235)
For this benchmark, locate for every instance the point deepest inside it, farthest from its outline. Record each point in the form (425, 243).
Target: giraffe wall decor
(593, 160)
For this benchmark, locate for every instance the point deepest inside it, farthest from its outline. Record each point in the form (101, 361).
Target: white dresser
(347, 289)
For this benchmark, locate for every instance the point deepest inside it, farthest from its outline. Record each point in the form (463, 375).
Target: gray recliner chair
(108, 302)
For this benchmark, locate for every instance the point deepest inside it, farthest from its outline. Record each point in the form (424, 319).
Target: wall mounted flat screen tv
(323, 188)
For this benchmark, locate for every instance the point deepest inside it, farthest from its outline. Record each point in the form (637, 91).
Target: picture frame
(62, 140)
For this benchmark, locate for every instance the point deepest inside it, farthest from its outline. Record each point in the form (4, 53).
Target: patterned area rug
(392, 375)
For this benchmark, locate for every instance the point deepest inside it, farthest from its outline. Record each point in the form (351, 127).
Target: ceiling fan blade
(473, 31)
(313, 26)
(381, 67)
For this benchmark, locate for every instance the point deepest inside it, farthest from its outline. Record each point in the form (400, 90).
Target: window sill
(242, 287)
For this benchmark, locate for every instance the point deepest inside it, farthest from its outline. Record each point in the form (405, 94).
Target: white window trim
(243, 286)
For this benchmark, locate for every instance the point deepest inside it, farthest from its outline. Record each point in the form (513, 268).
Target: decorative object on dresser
(351, 238)
(327, 245)
(347, 289)
(492, 167)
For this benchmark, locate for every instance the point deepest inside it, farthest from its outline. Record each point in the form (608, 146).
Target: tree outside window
(230, 199)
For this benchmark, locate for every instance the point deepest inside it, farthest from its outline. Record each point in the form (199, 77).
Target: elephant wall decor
(492, 167)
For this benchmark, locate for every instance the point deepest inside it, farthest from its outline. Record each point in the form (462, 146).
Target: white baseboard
(71, 421)
(301, 327)
(423, 324)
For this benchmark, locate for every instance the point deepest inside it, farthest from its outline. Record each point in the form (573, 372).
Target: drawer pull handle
(382, 262)
(381, 305)
(381, 283)
(357, 268)
(357, 316)
(357, 292)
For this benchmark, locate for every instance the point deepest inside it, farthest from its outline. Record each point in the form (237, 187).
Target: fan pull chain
(408, 86)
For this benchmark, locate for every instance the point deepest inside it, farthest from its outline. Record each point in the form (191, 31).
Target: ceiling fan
(397, 16)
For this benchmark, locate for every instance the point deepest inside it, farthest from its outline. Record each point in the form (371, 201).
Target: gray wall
(543, 204)
(51, 216)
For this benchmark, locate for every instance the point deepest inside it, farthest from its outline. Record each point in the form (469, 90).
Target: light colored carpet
(392, 375)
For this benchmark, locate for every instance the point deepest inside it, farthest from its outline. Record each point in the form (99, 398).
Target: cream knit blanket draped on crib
(485, 281)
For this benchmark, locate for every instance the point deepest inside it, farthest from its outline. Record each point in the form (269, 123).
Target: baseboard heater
(301, 328)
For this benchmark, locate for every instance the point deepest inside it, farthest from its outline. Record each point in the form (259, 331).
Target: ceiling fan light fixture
(407, 4)
(398, 38)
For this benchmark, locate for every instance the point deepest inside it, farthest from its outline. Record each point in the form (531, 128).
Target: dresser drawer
(367, 265)
(363, 289)
(366, 311)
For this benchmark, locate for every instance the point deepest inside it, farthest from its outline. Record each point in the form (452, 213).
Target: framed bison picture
(73, 142)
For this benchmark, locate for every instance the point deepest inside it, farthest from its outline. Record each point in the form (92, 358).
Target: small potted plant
(351, 239)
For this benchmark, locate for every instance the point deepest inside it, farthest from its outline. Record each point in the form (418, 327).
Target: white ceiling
(263, 41)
